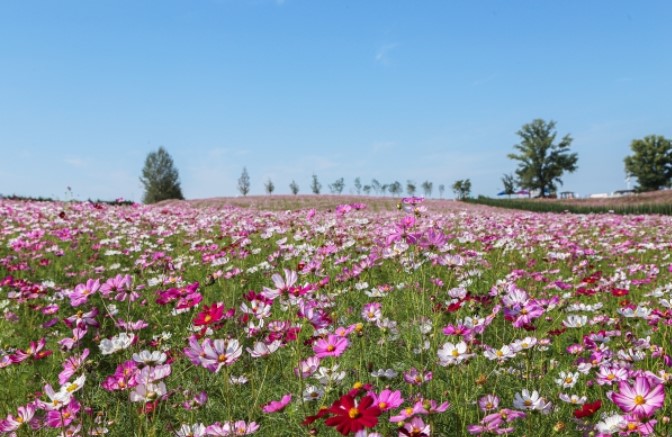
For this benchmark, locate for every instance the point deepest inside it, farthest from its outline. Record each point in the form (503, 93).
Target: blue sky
(392, 90)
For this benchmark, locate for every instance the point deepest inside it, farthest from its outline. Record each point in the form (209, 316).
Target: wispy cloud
(75, 162)
(383, 53)
(381, 146)
(484, 80)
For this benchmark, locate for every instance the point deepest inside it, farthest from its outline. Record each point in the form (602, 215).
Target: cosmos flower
(641, 398)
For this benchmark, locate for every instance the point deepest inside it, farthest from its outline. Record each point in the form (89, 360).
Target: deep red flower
(619, 292)
(349, 417)
(588, 409)
(210, 314)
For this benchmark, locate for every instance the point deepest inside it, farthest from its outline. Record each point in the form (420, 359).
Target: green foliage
(337, 186)
(269, 187)
(244, 182)
(294, 187)
(462, 189)
(160, 178)
(651, 162)
(427, 188)
(315, 185)
(410, 188)
(559, 207)
(542, 162)
(358, 185)
(509, 183)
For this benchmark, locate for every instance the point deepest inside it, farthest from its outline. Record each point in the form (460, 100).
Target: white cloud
(75, 162)
(383, 53)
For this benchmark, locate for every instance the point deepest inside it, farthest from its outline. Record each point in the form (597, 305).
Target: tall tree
(294, 187)
(244, 182)
(396, 189)
(509, 183)
(651, 162)
(462, 189)
(410, 187)
(358, 185)
(442, 189)
(337, 186)
(427, 187)
(315, 185)
(269, 186)
(542, 162)
(160, 178)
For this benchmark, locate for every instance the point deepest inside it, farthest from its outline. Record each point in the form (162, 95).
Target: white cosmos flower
(148, 392)
(453, 353)
(530, 401)
(575, 321)
(384, 373)
(150, 358)
(313, 393)
(611, 424)
(573, 399)
(116, 343)
(262, 349)
(75, 385)
(567, 379)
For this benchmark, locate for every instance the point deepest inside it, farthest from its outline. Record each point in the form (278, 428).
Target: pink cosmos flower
(239, 427)
(639, 399)
(332, 346)
(387, 399)
(275, 406)
(415, 427)
(307, 367)
(72, 365)
(25, 416)
(82, 292)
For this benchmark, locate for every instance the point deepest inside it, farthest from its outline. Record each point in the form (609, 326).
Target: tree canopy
(651, 162)
(160, 178)
(542, 161)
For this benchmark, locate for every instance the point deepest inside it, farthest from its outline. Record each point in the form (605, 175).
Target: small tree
(269, 187)
(160, 178)
(542, 162)
(462, 189)
(410, 187)
(367, 189)
(337, 186)
(315, 185)
(375, 185)
(651, 162)
(396, 188)
(427, 188)
(509, 183)
(358, 185)
(294, 187)
(442, 189)
(244, 182)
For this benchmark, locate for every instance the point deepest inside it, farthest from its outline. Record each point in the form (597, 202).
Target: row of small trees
(541, 164)
(161, 181)
(462, 188)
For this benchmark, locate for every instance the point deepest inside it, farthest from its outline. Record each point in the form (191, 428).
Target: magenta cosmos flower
(640, 399)
(280, 405)
(332, 346)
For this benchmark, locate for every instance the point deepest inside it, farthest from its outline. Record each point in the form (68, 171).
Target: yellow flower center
(455, 353)
(72, 387)
(528, 403)
(331, 348)
(632, 426)
(499, 353)
(357, 385)
(569, 380)
(409, 411)
(611, 377)
(639, 400)
(221, 358)
(382, 405)
(353, 413)
(207, 318)
(523, 311)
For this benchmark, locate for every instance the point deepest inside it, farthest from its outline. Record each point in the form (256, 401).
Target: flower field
(224, 321)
